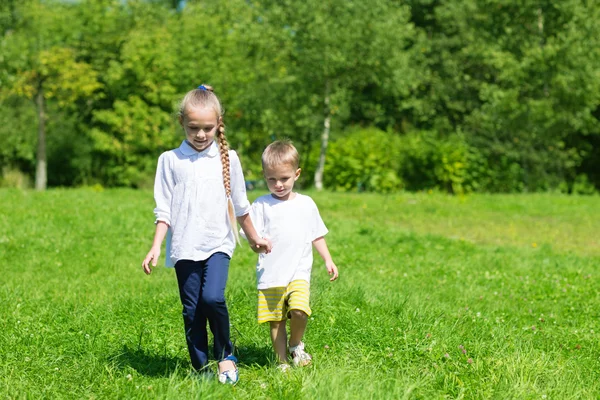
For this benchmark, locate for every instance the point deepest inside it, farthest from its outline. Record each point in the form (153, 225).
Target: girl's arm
(258, 244)
(154, 253)
(323, 251)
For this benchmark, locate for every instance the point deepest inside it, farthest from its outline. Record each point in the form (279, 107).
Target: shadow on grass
(252, 355)
(152, 364)
(149, 364)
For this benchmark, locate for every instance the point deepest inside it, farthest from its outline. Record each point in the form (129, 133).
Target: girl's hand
(332, 270)
(262, 245)
(152, 255)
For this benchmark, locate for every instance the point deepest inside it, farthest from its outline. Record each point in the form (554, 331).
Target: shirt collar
(210, 151)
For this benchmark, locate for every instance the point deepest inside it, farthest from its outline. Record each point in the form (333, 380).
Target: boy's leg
(298, 322)
(279, 340)
(189, 277)
(299, 310)
(299, 293)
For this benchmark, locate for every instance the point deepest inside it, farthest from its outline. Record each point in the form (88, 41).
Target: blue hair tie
(202, 87)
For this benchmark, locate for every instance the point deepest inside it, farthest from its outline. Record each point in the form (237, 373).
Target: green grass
(439, 297)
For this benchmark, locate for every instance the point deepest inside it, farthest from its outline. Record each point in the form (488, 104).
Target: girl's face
(280, 180)
(200, 125)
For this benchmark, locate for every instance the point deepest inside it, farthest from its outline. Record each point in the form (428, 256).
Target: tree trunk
(324, 142)
(41, 167)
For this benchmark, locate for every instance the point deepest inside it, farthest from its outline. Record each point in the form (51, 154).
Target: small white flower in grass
(27, 359)
(129, 377)
(544, 396)
(87, 336)
(358, 310)
(56, 369)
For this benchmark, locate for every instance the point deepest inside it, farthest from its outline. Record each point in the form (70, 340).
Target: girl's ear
(298, 171)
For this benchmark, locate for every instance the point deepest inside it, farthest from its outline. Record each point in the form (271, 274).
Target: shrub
(365, 159)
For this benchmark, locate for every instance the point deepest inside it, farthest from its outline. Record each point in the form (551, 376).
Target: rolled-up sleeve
(163, 190)
(238, 186)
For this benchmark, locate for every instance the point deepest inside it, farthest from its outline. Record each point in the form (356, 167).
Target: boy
(292, 223)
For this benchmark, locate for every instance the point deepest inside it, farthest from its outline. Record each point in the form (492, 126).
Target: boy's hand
(152, 255)
(332, 270)
(262, 245)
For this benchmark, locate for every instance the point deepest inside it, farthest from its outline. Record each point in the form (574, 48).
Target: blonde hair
(280, 152)
(204, 97)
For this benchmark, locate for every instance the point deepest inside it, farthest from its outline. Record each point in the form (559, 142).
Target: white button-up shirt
(190, 198)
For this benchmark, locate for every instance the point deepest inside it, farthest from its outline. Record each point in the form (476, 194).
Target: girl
(199, 192)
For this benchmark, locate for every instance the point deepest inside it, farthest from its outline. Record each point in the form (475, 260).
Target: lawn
(481, 296)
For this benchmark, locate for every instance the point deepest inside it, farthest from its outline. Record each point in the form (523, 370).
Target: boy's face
(280, 180)
(200, 125)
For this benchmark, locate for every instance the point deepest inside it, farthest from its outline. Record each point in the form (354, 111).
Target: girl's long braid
(224, 150)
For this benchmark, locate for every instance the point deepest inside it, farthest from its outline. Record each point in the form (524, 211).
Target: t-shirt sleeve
(238, 186)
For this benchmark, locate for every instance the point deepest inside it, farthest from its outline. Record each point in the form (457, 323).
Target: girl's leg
(213, 305)
(279, 340)
(189, 278)
(298, 323)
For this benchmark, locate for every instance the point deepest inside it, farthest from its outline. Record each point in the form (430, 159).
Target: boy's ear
(298, 171)
(180, 119)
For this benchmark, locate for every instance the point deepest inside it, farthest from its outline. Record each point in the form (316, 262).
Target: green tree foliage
(466, 95)
(519, 79)
(39, 65)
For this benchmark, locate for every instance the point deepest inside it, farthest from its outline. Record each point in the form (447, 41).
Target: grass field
(439, 297)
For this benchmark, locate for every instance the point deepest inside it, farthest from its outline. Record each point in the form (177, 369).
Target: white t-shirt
(190, 198)
(291, 225)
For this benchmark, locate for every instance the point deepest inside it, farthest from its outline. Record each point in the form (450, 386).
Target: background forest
(455, 95)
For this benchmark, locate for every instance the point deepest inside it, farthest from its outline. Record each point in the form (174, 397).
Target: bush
(448, 164)
(366, 159)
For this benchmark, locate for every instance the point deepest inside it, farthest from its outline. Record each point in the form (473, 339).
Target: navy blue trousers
(202, 293)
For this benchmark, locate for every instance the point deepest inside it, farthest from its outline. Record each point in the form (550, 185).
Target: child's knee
(298, 314)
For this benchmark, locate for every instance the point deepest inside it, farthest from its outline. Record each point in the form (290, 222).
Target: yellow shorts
(274, 304)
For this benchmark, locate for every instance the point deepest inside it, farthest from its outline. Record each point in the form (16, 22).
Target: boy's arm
(323, 251)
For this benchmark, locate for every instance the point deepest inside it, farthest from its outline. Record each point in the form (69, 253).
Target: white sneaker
(231, 376)
(300, 358)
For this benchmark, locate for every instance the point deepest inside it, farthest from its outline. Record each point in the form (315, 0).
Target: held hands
(261, 245)
(152, 255)
(332, 270)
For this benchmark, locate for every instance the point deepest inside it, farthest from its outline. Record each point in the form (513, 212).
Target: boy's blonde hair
(204, 97)
(280, 152)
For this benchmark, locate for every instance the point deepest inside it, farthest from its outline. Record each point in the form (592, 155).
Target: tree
(40, 66)
(519, 79)
(336, 51)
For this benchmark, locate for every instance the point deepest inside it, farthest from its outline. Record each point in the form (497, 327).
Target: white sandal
(299, 356)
